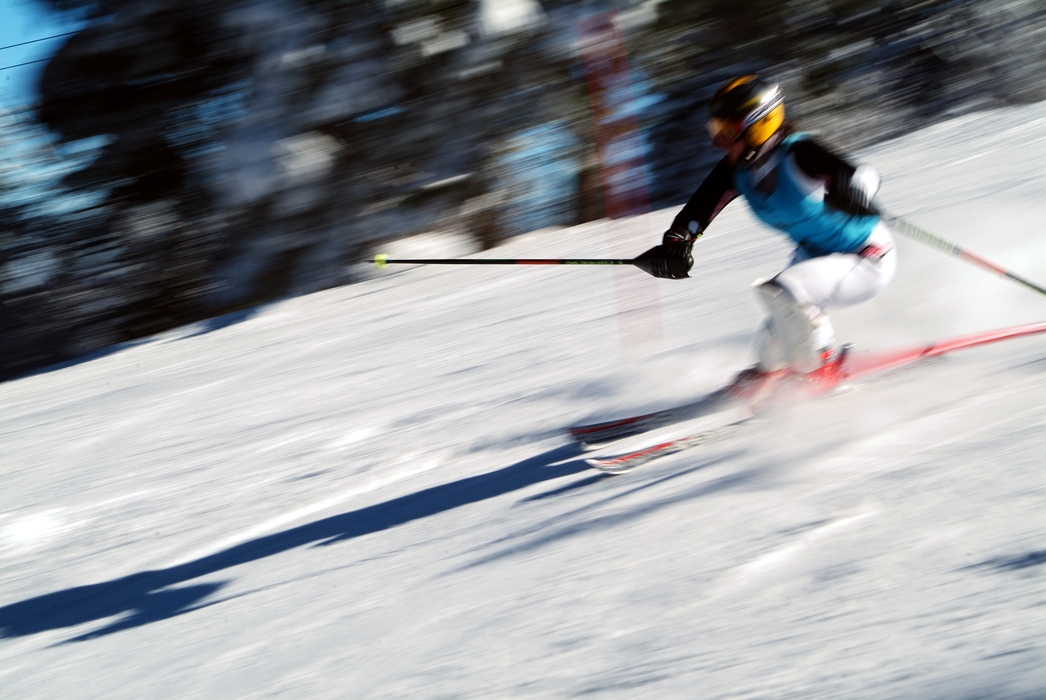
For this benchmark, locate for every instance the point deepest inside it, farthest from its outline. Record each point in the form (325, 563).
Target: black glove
(676, 238)
(672, 259)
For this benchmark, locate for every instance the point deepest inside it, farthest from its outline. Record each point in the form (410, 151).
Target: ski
(746, 388)
(866, 363)
(619, 464)
(595, 434)
(761, 391)
(748, 395)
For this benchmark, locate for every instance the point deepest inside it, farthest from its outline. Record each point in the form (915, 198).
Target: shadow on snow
(150, 596)
(1013, 563)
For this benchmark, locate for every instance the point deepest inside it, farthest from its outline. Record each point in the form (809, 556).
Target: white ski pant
(798, 329)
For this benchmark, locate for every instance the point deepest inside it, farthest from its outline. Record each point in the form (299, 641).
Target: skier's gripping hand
(672, 259)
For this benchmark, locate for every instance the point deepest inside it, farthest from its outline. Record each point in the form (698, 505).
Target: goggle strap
(769, 105)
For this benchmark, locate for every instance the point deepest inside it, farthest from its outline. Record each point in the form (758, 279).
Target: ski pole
(383, 260)
(909, 229)
(646, 262)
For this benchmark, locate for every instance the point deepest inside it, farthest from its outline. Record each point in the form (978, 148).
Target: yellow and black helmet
(747, 108)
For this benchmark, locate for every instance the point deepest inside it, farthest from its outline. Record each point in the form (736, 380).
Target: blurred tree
(130, 78)
(218, 155)
(31, 218)
(148, 77)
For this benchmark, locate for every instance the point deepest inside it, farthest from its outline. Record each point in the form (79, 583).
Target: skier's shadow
(151, 596)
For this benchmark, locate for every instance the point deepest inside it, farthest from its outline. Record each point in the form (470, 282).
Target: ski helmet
(747, 108)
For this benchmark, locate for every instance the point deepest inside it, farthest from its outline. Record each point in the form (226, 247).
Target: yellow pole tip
(380, 259)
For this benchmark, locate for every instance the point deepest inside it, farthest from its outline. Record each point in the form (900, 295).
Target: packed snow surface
(368, 493)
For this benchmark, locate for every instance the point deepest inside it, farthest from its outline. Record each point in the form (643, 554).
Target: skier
(845, 253)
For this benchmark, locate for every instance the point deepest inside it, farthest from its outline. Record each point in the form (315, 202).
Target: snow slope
(367, 493)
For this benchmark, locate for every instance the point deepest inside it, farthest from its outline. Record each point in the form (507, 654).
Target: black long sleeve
(819, 163)
(714, 193)
(816, 161)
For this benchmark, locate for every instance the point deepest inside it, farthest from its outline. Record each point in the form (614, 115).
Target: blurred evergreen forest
(188, 159)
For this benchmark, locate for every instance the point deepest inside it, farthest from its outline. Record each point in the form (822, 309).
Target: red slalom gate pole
(619, 143)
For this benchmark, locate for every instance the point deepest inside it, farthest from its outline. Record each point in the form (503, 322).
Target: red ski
(759, 392)
(871, 362)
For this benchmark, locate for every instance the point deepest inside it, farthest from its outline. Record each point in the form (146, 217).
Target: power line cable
(34, 41)
(19, 65)
(24, 43)
(15, 112)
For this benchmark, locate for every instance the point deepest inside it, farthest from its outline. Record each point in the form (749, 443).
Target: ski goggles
(724, 131)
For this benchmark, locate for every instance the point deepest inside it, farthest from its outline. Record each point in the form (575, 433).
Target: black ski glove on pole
(672, 259)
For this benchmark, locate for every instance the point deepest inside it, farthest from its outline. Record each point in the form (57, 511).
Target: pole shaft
(502, 261)
(920, 234)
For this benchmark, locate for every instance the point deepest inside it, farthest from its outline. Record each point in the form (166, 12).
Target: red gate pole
(622, 171)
